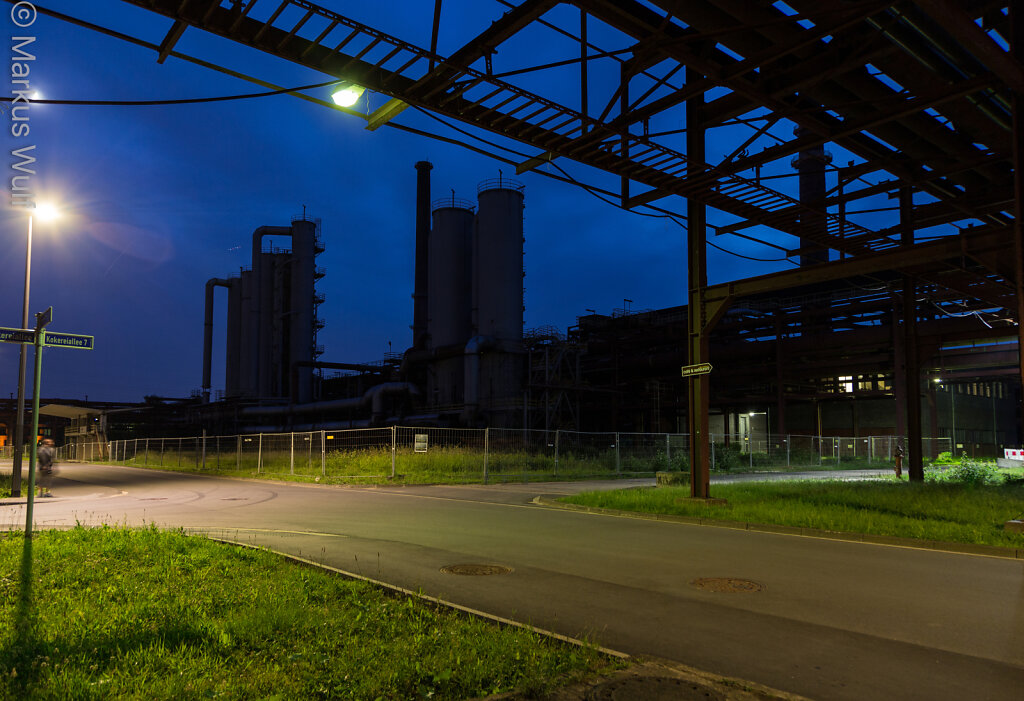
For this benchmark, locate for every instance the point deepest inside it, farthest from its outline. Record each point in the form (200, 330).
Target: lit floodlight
(46, 211)
(347, 94)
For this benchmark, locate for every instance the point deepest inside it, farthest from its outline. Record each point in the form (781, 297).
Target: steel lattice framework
(921, 94)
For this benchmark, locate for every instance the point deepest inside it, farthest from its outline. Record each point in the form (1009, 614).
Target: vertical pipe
(618, 462)
(323, 453)
(420, 281)
(146, 459)
(204, 449)
(556, 450)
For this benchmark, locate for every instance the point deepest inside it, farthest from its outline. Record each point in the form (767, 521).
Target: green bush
(945, 458)
(967, 472)
(727, 457)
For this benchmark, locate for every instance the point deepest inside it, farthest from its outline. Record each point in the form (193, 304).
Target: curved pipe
(208, 331)
(374, 397)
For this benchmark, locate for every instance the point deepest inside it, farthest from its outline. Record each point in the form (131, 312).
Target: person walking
(46, 455)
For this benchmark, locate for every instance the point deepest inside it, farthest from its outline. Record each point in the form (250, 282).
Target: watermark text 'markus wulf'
(23, 16)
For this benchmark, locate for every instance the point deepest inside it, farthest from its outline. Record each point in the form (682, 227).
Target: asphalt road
(834, 620)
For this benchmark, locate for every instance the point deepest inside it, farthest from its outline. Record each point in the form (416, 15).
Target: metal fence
(412, 454)
(731, 452)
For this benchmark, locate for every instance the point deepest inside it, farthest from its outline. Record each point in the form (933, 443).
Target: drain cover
(652, 689)
(727, 585)
(476, 569)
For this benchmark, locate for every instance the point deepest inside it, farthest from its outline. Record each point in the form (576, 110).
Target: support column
(913, 371)
(697, 281)
(780, 376)
(1017, 50)
(899, 372)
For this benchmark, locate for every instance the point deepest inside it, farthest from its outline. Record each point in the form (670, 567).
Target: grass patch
(122, 613)
(942, 511)
(440, 465)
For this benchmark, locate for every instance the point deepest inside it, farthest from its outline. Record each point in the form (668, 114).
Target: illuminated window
(846, 383)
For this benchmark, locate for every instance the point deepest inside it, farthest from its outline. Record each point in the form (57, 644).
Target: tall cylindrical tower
(449, 298)
(301, 311)
(449, 292)
(495, 369)
(498, 288)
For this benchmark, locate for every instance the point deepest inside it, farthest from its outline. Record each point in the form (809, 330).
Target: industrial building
(921, 101)
(819, 360)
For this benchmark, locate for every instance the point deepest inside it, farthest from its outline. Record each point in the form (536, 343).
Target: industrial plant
(818, 360)
(902, 317)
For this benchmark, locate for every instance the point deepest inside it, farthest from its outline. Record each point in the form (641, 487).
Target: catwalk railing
(410, 454)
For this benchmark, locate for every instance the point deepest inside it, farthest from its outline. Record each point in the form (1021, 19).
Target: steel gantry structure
(921, 98)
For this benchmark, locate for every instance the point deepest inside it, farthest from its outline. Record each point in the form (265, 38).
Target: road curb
(938, 545)
(729, 688)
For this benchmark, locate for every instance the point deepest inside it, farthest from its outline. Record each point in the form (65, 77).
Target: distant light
(347, 95)
(45, 211)
(938, 380)
(36, 96)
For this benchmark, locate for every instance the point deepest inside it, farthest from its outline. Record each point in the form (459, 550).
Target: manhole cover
(476, 569)
(727, 585)
(652, 689)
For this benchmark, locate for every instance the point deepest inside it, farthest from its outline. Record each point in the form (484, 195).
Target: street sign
(17, 335)
(57, 340)
(698, 369)
(68, 340)
(44, 318)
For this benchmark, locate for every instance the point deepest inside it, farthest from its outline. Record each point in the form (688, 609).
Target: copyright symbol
(23, 14)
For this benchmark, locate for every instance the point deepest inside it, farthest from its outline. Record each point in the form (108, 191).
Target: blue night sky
(161, 198)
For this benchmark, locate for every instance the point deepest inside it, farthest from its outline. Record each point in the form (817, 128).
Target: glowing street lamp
(347, 94)
(44, 212)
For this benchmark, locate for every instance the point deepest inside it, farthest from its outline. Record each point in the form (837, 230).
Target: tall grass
(438, 465)
(931, 511)
(125, 613)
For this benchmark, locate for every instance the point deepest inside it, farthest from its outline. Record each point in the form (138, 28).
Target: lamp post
(45, 213)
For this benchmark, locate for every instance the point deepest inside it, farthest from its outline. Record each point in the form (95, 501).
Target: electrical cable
(181, 101)
(675, 218)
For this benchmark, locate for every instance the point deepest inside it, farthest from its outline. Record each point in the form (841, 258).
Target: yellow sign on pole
(698, 369)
